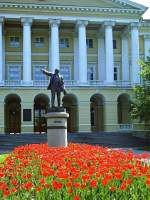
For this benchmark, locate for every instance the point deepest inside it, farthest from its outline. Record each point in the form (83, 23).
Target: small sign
(27, 115)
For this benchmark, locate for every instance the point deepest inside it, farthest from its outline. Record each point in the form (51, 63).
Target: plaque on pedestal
(57, 127)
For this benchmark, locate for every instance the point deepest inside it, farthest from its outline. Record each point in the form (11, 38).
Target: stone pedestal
(57, 127)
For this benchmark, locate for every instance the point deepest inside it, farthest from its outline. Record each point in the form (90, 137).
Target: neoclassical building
(96, 44)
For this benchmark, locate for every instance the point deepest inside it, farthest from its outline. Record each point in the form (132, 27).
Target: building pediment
(124, 6)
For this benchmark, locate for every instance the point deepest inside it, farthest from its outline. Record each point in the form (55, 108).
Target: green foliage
(2, 157)
(140, 107)
(145, 69)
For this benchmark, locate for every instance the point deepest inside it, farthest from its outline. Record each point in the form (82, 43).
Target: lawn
(147, 148)
(85, 172)
(2, 157)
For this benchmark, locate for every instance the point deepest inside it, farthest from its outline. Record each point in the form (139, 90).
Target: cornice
(71, 8)
(147, 36)
(145, 23)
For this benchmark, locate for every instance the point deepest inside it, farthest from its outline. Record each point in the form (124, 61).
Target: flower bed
(37, 172)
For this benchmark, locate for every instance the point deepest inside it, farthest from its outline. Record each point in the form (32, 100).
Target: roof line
(140, 6)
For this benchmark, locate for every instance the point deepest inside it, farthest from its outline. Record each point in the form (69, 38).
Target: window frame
(65, 44)
(88, 43)
(14, 44)
(117, 66)
(114, 44)
(8, 70)
(94, 70)
(69, 66)
(39, 44)
(43, 66)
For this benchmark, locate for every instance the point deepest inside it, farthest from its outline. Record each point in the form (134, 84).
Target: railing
(44, 83)
(123, 83)
(12, 83)
(40, 83)
(113, 84)
(68, 83)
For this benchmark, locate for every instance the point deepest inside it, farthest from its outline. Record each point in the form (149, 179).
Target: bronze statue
(56, 85)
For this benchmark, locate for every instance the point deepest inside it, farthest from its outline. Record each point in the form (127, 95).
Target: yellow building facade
(95, 44)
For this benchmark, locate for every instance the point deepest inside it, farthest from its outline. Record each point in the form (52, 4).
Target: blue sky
(147, 4)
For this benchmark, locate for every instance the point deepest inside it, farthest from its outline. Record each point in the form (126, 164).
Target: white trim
(46, 54)
(144, 34)
(14, 53)
(137, 8)
(13, 62)
(131, 3)
(72, 19)
(145, 23)
(34, 62)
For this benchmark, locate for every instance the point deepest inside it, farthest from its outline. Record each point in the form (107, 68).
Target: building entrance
(97, 112)
(41, 103)
(12, 114)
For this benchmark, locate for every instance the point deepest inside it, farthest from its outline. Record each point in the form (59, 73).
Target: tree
(140, 106)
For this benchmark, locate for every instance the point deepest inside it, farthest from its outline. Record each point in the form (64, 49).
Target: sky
(147, 4)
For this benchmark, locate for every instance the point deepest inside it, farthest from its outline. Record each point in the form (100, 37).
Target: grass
(2, 157)
(147, 148)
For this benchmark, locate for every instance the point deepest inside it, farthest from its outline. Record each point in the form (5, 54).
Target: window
(14, 42)
(89, 43)
(14, 72)
(116, 73)
(64, 43)
(114, 44)
(91, 71)
(39, 42)
(65, 71)
(37, 74)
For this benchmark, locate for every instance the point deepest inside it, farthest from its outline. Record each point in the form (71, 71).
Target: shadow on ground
(114, 140)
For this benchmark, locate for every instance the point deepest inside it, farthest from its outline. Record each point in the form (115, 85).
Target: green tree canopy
(140, 107)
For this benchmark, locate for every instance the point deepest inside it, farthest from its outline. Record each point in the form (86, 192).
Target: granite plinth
(57, 127)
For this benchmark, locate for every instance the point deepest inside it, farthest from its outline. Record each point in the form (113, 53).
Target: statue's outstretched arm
(47, 72)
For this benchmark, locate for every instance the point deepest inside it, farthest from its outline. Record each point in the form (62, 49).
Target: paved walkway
(114, 140)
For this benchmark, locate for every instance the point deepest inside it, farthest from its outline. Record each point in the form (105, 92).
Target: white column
(146, 46)
(101, 57)
(49, 53)
(125, 58)
(82, 51)
(1, 51)
(27, 22)
(109, 52)
(4, 55)
(76, 56)
(55, 60)
(135, 68)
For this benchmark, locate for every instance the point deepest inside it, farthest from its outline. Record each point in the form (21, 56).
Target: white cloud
(147, 4)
